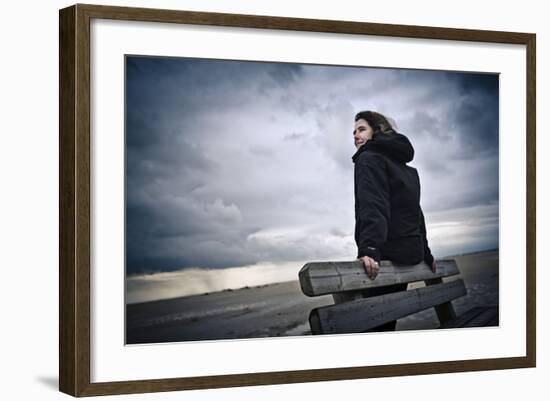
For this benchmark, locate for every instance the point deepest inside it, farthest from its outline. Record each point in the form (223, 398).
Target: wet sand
(281, 309)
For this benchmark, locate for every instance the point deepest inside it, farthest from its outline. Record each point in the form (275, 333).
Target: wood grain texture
(301, 24)
(74, 199)
(531, 221)
(320, 278)
(302, 376)
(445, 312)
(74, 349)
(82, 138)
(363, 314)
(67, 273)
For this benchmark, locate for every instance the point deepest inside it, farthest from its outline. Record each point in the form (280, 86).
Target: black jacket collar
(394, 145)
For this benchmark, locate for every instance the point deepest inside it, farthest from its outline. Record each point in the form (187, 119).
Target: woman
(389, 223)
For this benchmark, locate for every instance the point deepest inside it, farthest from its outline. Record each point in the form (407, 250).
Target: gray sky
(235, 163)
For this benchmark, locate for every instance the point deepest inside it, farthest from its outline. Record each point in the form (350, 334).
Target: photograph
(270, 199)
(241, 200)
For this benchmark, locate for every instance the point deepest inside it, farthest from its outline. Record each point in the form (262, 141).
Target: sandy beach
(281, 309)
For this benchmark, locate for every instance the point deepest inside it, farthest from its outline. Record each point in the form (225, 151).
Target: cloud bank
(236, 163)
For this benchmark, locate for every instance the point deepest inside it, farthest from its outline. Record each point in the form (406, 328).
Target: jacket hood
(396, 146)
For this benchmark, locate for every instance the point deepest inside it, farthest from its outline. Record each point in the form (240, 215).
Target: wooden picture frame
(75, 199)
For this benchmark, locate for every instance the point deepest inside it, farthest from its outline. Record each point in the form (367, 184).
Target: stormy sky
(238, 163)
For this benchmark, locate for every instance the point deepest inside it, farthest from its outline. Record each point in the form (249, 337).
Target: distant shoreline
(245, 287)
(133, 275)
(471, 253)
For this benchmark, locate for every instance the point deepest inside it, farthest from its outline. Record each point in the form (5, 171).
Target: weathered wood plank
(320, 278)
(363, 314)
(445, 312)
(479, 316)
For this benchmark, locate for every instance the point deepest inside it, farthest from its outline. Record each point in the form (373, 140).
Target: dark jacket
(389, 223)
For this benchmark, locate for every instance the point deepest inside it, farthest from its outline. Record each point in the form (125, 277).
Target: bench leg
(445, 312)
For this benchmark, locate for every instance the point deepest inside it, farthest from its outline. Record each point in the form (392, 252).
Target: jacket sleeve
(428, 257)
(372, 204)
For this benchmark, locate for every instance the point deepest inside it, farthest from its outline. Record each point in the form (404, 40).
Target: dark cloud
(469, 83)
(470, 118)
(475, 118)
(338, 232)
(428, 125)
(284, 75)
(475, 121)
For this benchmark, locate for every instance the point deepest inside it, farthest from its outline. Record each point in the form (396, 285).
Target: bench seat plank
(320, 278)
(363, 314)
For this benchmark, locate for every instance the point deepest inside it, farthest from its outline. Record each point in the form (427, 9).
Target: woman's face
(362, 132)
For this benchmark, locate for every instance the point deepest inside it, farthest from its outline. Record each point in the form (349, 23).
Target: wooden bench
(356, 310)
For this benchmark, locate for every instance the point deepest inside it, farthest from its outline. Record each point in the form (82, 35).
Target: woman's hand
(434, 266)
(371, 266)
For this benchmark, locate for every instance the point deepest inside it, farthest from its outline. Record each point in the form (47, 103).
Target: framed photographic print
(244, 199)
